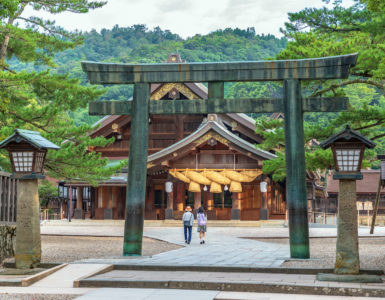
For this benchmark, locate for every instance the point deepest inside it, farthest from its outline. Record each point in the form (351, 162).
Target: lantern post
(348, 149)
(27, 152)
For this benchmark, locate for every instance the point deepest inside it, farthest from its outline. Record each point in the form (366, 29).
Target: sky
(188, 17)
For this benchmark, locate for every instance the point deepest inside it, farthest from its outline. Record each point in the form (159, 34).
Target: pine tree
(327, 32)
(42, 100)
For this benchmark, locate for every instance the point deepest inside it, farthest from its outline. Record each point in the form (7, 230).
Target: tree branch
(50, 30)
(354, 81)
(9, 70)
(28, 121)
(378, 136)
(379, 122)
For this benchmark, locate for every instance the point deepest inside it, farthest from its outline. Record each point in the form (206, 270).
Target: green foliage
(41, 98)
(276, 167)
(327, 32)
(339, 31)
(138, 44)
(46, 191)
(366, 106)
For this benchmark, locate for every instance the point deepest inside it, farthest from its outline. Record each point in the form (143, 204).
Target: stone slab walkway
(65, 277)
(146, 294)
(224, 246)
(220, 249)
(58, 285)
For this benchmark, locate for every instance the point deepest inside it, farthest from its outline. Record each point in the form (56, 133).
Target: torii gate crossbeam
(291, 72)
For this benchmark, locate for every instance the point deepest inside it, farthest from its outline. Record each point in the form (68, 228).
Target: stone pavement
(176, 294)
(231, 281)
(224, 248)
(221, 250)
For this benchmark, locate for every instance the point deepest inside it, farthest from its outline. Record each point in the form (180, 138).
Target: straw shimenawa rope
(215, 179)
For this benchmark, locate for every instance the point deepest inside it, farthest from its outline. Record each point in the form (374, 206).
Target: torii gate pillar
(295, 170)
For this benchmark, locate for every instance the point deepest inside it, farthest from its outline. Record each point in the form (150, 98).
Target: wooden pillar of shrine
(107, 202)
(236, 207)
(114, 201)
(209, 200)
(149, 205)
(78, 212)
(169, 213)
(197, 202)
(180, 195)
(137, 171)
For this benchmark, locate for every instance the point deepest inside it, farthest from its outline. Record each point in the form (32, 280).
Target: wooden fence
(8, 198)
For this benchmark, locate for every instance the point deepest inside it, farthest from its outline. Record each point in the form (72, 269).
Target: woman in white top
(202, 224)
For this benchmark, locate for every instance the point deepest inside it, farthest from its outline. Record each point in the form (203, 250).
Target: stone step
(65, 277)
(224, 281)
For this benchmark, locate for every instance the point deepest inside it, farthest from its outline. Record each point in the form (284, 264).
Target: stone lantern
(348, 149)
(27, 151)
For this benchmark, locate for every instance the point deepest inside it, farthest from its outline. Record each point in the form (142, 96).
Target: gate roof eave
(331, 67)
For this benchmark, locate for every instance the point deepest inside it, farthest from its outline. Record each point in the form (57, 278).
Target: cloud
(186, 17)
(173, 6)
(240, 10)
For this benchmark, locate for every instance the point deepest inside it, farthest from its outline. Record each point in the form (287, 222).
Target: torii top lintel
(332, 67)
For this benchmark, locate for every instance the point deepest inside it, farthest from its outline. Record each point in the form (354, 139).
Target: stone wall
(7, 241)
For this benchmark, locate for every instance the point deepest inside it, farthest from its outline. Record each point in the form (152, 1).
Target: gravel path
(58, 249)
(323, 251)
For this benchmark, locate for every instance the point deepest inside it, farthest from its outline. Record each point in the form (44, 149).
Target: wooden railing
(8, 198)
(322, 218)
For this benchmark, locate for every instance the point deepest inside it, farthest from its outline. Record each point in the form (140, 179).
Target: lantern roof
(347, 135)
(31, 137)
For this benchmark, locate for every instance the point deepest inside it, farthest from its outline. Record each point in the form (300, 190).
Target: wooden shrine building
(211, 159)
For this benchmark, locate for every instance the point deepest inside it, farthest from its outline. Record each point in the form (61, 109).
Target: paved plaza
(221, 249)
(225, 247)
(146, 294)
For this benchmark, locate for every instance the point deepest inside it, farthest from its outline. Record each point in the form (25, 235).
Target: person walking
(202, 224)
(188, 222)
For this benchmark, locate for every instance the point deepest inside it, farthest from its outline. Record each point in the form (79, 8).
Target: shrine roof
(197, 88)
(216, 126)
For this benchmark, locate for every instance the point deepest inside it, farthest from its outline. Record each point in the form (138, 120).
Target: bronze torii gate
(291, 72)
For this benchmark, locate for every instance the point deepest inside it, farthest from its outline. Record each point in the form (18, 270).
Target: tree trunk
(4, 45)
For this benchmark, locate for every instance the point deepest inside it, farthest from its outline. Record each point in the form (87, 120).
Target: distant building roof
(368, 185)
